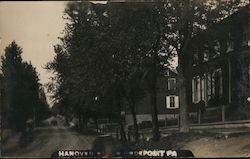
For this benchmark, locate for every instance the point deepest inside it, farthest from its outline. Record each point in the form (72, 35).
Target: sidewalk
(226, 129)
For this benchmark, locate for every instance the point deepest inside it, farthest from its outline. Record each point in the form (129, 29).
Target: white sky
(35, 27)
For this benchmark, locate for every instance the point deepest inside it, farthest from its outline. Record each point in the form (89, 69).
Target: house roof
(169, 72)
(239, 18)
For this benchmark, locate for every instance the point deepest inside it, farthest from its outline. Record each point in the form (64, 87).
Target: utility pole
(34, 117)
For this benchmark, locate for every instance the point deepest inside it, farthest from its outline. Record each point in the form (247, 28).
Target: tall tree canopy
(104, 46)
(21, 88)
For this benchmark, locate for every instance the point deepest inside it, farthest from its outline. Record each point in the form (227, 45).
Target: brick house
(220, 87)
(221, 75)
(167, 102)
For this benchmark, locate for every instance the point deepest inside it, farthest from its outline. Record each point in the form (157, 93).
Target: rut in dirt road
(50, 139)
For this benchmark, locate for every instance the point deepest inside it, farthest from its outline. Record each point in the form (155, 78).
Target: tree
(127, 40)
(134, 91)
(176, 23)
(11, 65)
(42, 110)
(143, 26)
(186, 19)
(104, 44)
(2, 106)
(22, 88)
(77, 85)
(60, 82)
(28, 93)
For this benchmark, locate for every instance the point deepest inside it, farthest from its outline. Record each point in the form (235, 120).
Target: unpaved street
(209, 147)
(50, 139)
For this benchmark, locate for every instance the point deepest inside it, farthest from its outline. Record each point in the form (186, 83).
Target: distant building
(167, 102)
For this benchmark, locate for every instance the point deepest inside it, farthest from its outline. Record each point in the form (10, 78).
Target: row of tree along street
(111, 53)
(23, 101)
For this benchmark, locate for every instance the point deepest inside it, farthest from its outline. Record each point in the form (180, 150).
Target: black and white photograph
(125, 79)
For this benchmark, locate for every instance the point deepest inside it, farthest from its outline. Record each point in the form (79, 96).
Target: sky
(35, 26)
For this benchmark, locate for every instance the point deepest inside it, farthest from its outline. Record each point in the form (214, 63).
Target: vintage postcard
(126, 79)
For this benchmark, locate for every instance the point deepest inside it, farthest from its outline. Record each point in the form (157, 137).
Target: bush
(145, 124)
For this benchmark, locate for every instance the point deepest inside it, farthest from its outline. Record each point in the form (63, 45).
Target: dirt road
(209, 147)
(50, 139)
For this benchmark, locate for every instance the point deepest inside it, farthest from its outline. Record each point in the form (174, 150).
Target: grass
(173, 141)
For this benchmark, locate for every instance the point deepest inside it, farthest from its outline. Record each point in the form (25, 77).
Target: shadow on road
(47, 140)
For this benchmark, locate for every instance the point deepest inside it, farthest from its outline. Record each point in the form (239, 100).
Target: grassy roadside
(203, 144)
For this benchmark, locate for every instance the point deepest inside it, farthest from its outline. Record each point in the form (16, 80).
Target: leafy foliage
(107, 50)
(21, 88)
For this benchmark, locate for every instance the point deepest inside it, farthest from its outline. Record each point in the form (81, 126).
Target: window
(217, 48)
(203, 94)
(206, 56)
(172, 102)
(246, 36)
(209, 85)
(230, 43)
(196, 57)
(213, 83)
(196, 89)
(171, 83)
(167, 72)
(217, 82)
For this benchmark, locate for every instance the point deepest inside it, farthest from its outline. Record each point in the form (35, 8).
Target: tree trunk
(79, 120)
(85, 122)
(66, 118)
(23, 140)
(185, 63)
(154, 113)
(122, 131)
(153, 93)
(96, 124)
(183, 96)
(136, 133)
(183, 106)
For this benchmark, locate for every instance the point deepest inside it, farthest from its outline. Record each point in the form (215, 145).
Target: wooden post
(129, 139)
(165, 122)
(34, 117)
(199, 116)
(223, 113)
(117, 133)
(179, 119)
(229, 81)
